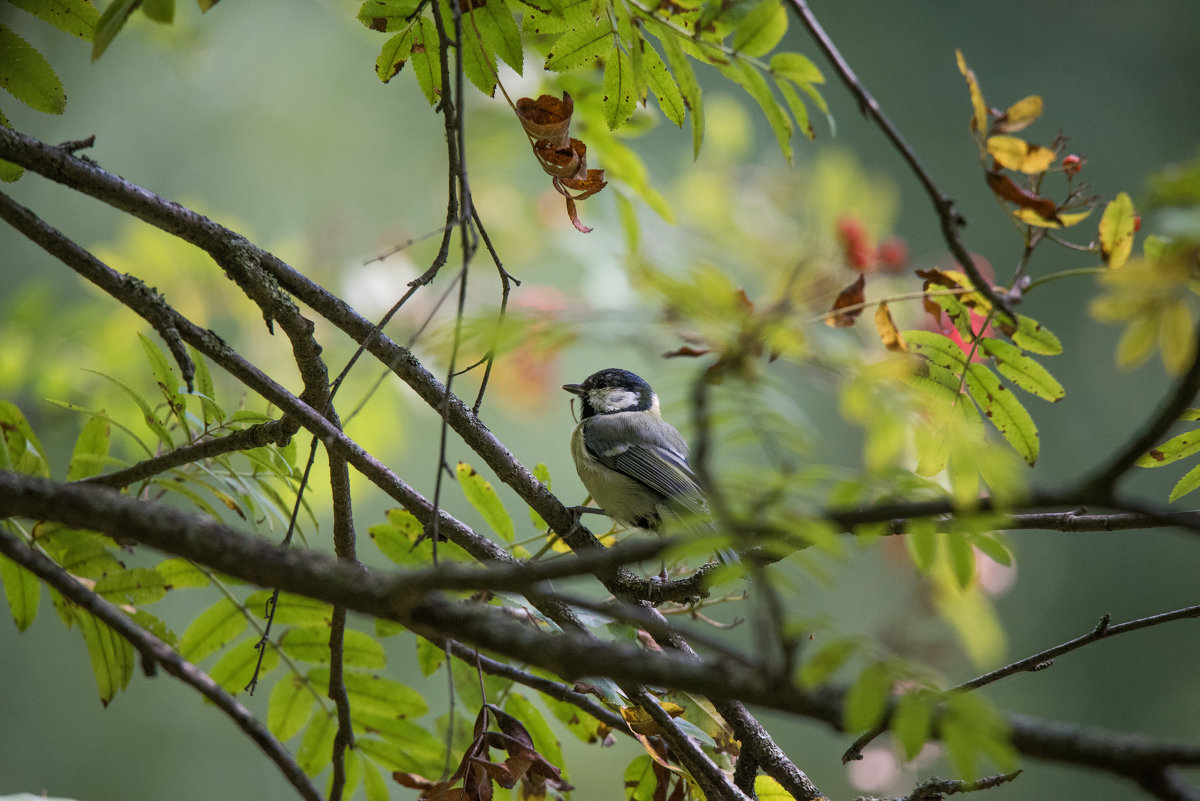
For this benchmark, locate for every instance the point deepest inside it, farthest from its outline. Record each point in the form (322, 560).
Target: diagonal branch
(951, 220)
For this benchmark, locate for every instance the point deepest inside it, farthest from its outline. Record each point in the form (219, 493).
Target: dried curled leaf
(547, 121)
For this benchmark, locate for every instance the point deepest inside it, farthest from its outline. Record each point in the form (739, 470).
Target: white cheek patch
(613, 400)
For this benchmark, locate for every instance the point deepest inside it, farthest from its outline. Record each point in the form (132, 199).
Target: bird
(632, 461)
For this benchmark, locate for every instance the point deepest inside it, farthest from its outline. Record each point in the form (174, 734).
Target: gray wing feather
(655, 456)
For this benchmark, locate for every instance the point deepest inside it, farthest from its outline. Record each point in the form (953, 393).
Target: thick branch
(566, 653)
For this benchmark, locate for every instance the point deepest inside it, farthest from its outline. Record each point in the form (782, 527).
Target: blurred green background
(267, 116)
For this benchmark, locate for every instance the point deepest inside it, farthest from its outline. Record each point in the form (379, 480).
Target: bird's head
(614, 390)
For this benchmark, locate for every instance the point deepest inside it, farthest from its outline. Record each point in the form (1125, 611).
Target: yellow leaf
(888, 333)
(767, 789)
(1137, 342)
(1014, 153)
(1021, 114)
(1031, 217)
(979, 119)
(1175, 337)
(1116, 231)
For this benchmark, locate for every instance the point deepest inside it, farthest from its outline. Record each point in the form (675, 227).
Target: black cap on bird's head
(614, 390)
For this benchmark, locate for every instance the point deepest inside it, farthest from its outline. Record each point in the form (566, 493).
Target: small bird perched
(634, 463)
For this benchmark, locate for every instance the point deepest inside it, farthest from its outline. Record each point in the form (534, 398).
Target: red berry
(1137, 223)
(1072, 164)
(853, 238)
(893, 254)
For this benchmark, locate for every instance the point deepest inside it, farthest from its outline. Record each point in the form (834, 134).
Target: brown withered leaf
(547, 118)
(686, 350)
(581, 187)
(851, 298)
(1006, 189)
(889, 335)
(561, 162)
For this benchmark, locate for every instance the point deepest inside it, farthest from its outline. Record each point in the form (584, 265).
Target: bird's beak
(574, 389)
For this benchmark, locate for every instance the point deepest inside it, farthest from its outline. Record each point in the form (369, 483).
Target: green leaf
(799, 110)
(620, 91)
(91, 449)
(430, 656)
(373, 693)
(962, 558)
(970, 728)
(374, 785)
(164, 373)
(939, 349)
(750, 79)
(796, 68)
(542, 474)
(27, 76)
(426, 55)
(1032, 337)
(581, 46)
(478, 61)
(1185, 485)
(422, 753)
(205, 391)
(311, 644)
(499, 30)
(316, 747)
(640, 781)
(993, 548)
(180, 573)
(212, 630)
(911, 720)
(1023, 371)
(818, 668)
(761, 29)
(110, 24)
(662, 83)
(236, 667)
(148, 415)
(685, 76)
(290, 707)
(922, 539)
(136, 586)
(291, 610)
(482, 495)
(387, 15)
(23, 591)
(90, 558)
(76, 17)
(20, 450)
(159, 10)
(111, 656)
(1006, 413)
(867, 698)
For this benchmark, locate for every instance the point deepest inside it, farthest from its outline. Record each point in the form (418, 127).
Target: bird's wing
(653, 456)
